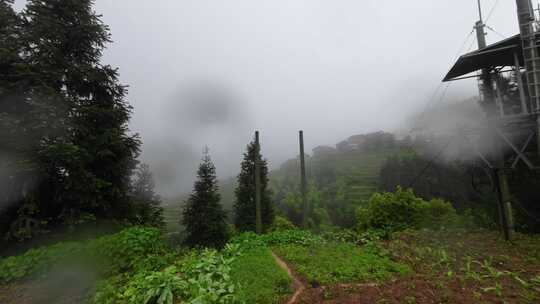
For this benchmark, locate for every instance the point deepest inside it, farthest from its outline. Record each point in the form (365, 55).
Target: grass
(333, 263)
(259, 278)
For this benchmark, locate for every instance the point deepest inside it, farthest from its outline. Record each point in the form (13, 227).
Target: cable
(471, 45)
(491, 11)
(436, 91)
(458, 53)
(494, 31)
(411, 184)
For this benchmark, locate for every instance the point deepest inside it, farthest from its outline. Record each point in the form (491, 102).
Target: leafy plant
(157, 287)
(199, 277)
(124, 250)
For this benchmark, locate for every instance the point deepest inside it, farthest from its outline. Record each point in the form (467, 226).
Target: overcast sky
(211, 72)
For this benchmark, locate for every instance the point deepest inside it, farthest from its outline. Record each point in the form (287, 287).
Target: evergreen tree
(90, 164)
(30, 115)
(147, 203)
(65, 147)
(203, 216)
(244, 204)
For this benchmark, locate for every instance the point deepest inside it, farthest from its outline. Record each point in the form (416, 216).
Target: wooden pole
(303, 183)
(522, 96)
(258, 217)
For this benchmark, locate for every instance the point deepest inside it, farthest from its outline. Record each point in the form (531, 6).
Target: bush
(122, 251)
(281, 224)
(402, 209)
(437, 214)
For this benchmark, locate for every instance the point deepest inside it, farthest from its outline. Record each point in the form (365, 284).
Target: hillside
(346, 175)
(340, 179)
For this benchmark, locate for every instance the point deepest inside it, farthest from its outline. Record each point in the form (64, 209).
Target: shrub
(402, 209)
(122, 251)
(281, 224)
(437, 214)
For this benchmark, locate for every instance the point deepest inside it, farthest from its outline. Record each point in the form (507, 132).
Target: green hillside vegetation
(340, 179)
(450, 265)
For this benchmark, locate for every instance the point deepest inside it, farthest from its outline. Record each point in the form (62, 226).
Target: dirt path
(297, 284)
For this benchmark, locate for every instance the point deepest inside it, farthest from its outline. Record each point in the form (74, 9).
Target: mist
(212, 72)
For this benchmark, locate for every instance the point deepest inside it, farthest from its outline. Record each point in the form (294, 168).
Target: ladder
(530, 37)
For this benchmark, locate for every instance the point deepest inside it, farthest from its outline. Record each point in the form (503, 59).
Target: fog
(211, 72)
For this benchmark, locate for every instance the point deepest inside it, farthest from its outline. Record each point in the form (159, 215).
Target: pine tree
(147, 203)
(30, 115)
(244, 205)
(90, 164)
(63, 117)
(203, 215)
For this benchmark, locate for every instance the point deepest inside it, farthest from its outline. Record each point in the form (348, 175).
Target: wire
(491, 11)
(436, 91)
(443, 95)
(419, 175)
(471, 45)
(458, 53)
(494, 31)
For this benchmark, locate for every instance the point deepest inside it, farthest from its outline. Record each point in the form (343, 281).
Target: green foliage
(156, 287)
(244, 204)
(368, 237)
(146, 203)
(36, 261)
(210, 276)
(203, 216)
(340, 181)
(125, 250)
(448, 180)
(399, 210)
(281, 224)
(297, 237)
(63, 119)
(331, 263)
(198, 278)
(318, 217)
(268, 284)
(249, 240)
(438, 214)
(109, 254)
